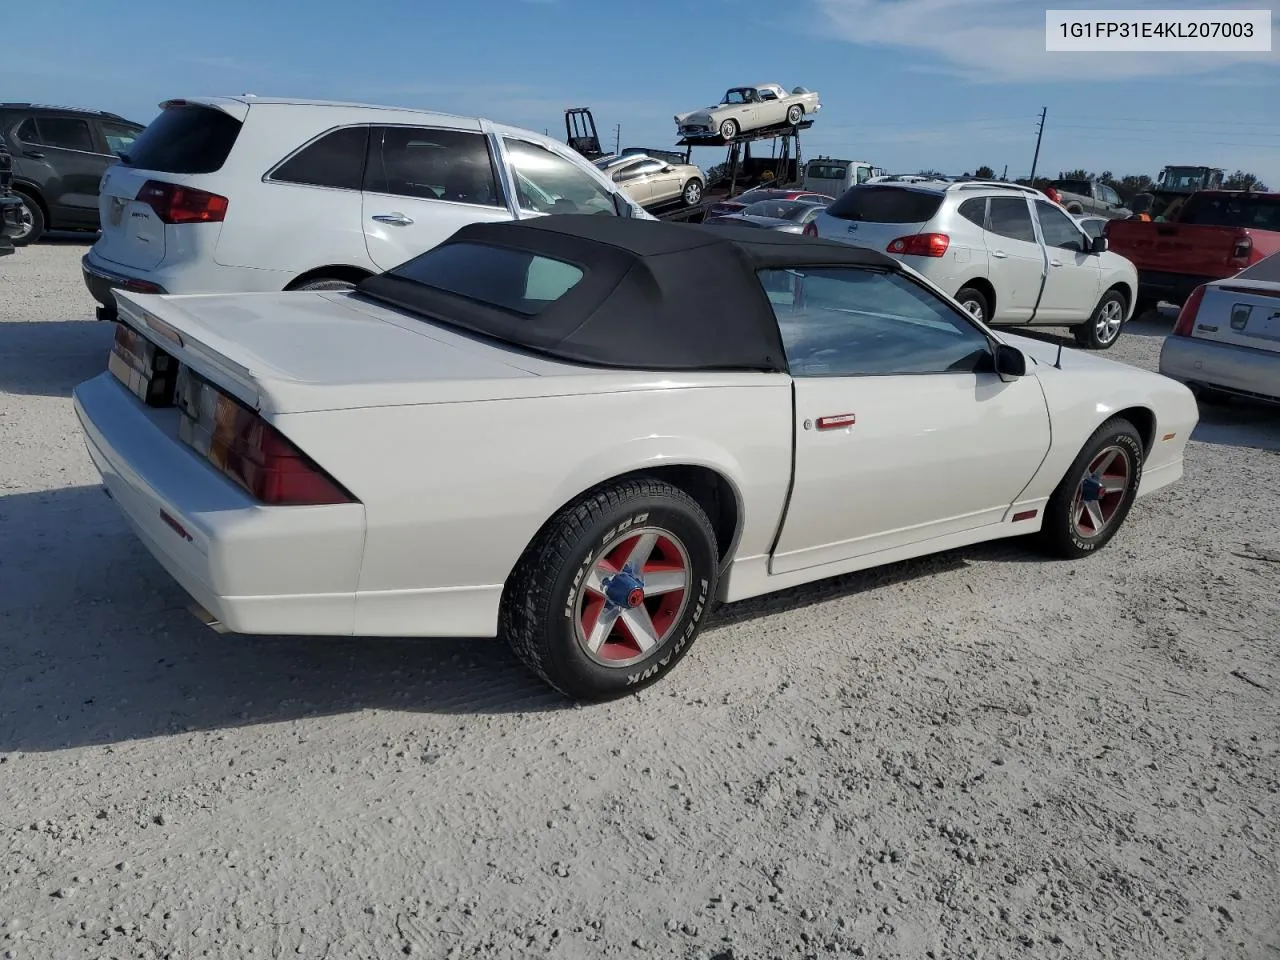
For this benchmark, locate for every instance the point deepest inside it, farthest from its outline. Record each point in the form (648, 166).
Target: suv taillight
(1242, 251)
(175, 204)
(1187, 315)
(920, 245)
(248, 450)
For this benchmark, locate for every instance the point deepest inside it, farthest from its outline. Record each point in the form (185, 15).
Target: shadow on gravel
(48, 358)
(97, 647)
(68, 238)
(1154, 324)
(1239, 423)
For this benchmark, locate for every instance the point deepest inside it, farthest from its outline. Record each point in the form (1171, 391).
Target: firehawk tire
(1095, 496)
(612, 592)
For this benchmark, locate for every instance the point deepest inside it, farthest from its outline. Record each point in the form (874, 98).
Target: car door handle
(33, 154)
(399, 219)
(1055, 263)
(999, 254)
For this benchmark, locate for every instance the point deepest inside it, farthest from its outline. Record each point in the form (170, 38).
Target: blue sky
(906, 84)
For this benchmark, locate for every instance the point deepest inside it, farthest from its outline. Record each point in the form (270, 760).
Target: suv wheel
(975, 303)
(31, 219)
(1102, 330)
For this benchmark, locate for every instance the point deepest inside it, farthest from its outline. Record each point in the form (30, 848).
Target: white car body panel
(1034, 283)
(460, 450)
(275, 232)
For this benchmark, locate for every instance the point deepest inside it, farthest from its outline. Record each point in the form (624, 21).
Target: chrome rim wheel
(973, 308)
(1101, 492)
(794, 115)
(1109, 321)
(728, 130)
(633, 596)
(692, 193)
(25, 218)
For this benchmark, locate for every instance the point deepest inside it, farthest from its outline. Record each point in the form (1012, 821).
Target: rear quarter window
(512, 280)
(185, 139)
(877, 204)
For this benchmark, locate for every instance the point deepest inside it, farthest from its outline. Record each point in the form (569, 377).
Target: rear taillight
(810, 229)
(175, 204)
(1187, 315)
(250, 451)
(920, 245)
(1242, 251)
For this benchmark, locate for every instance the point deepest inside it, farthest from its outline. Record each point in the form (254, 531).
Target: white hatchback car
(249, 194)
(1006, 253)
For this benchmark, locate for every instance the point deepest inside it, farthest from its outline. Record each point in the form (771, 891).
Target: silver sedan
(1227, 338)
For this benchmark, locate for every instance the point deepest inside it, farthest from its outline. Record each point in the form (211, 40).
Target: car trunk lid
(1242, 313)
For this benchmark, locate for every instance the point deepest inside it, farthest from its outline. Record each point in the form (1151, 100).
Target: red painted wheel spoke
(1110, 470)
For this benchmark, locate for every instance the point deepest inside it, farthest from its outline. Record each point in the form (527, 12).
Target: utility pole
(617, 139)
(1004, 177)
(1039, 135)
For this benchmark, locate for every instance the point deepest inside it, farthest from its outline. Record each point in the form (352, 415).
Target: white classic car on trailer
(745, 109)
(560, 431)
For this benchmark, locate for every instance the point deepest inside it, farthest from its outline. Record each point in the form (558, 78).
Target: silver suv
(1006, 253)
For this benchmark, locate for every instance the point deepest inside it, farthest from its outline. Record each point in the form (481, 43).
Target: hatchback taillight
(1187, 315)
(175, 204)
(920, 245)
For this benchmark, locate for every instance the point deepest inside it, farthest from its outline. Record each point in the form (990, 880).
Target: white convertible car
(745, 109)
(558, 431)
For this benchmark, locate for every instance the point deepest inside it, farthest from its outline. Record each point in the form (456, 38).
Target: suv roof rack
(991, 184)
(62, 109)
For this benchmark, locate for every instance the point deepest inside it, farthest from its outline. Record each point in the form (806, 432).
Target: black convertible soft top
(653, 295)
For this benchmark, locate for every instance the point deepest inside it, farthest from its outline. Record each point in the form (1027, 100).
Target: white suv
(249, 194)
(1005, 252)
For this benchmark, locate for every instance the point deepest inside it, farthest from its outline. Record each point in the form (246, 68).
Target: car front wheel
(729, 129)
(612, 592)
(1094, 497)
(1102, 329)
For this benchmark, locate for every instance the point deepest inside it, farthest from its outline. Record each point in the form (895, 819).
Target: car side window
(548, 183)
(975, 211)
(67, 133)
(27, 132)
(626, 172)
(119, 136)
(432, 164)
(1009, 217)
(335, 160)
(1059, 229)
(851, 322)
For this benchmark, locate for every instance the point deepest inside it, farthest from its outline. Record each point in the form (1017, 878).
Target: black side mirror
(1099, 245)
(1010, 362)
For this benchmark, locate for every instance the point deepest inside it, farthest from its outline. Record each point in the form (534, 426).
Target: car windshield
(779, 209)
(738, 95)
(511, 280)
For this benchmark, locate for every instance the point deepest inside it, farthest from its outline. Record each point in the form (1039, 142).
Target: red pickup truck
(1216, 234)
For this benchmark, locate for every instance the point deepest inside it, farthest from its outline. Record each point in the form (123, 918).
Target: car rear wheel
(1094, 497)
(31, 221)
(1103, 328)
(612, 592)
(729, 129)
(795, 113)
(692, 195)
(975, 303)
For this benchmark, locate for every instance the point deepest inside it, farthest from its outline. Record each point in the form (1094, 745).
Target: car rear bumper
(102, 281)
(1172, 287)
(1223, 366)
(255, 569)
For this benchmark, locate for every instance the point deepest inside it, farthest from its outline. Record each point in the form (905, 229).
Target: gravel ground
(975, 755)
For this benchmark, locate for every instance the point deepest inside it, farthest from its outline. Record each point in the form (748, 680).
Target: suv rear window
(877, 204)
(185, 139)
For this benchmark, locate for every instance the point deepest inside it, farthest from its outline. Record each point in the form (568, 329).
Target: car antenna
(1057, 363)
